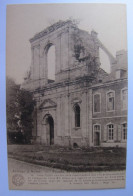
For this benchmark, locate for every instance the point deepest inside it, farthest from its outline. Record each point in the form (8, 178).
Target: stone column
(66, 115)
(90, 107)
(42, 66)
(58, 117)
(32, 63)
(58, 54)
(84, 115)
(64, 50)
(36, 63)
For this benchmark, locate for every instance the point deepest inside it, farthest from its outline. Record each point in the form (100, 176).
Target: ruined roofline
(61, 23)
(51, 28)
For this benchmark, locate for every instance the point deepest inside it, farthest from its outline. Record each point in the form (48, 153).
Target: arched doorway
(49, 130)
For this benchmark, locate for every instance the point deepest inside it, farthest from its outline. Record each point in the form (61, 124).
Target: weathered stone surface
(78, 77)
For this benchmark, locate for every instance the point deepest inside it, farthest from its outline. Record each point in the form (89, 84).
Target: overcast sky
(24, 21)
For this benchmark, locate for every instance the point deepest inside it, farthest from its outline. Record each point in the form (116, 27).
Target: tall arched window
(51, 64)
(77, 115)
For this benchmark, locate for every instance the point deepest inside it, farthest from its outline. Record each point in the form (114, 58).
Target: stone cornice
(50, 29)
(108, 83)
(82, 80)
(79, 80)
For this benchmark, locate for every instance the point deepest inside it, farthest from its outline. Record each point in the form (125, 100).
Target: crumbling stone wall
(77, 76)
(74, 50)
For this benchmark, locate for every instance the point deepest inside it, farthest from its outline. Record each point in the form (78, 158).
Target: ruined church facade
(83, 105)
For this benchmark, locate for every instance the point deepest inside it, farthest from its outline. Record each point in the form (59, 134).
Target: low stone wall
(19, 148)
(114, 144)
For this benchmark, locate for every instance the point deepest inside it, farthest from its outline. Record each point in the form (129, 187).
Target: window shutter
(105, 134)
(119, 133)
(115, 133)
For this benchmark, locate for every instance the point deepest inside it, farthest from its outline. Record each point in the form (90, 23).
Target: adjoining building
(83, 105)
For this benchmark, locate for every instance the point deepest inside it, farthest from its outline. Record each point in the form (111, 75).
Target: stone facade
(84, 106)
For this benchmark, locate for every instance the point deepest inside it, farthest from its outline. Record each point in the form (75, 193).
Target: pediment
(76, 100)
(47, 103)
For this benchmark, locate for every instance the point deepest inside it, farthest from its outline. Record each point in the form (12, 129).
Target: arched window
(96, 127)
(77, 115)
(51, 63)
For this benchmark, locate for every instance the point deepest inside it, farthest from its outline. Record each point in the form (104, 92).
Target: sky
(24, 21)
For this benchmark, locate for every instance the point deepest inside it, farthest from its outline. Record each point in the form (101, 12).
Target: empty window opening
(77, 115)
(51, 64)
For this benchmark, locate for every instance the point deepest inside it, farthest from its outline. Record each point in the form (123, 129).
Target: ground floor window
(124, 131)
(96, 134)
(110, 132)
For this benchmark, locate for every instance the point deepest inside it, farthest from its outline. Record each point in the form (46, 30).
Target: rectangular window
(110, 132)
(77, 115)
(124, 99)
(110, 101)
(124, 131)
(96, 103)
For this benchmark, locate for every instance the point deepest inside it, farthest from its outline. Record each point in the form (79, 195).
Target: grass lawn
(78, 159)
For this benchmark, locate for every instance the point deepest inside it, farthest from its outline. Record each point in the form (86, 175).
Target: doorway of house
(96, 138)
